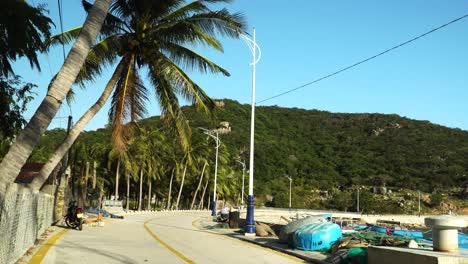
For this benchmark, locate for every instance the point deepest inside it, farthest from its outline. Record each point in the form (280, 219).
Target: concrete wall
(390, 255)
(24, 216)
(407, 219)
(273, 215)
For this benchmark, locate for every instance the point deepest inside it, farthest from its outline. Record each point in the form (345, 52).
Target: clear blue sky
(304, 40)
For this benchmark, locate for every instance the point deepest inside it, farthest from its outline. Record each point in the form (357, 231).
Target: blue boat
(408, 233)
(397, 231)
(379, 229)
(317, 237)
(462, 240)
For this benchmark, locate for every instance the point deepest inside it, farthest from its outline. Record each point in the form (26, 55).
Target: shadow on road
(88, 251)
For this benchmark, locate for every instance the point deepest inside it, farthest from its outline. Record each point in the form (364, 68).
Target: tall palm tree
(197, 151)
(24, 144)
(153, 36)
(198, 186)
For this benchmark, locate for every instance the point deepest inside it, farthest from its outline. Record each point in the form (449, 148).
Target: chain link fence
(24, 216)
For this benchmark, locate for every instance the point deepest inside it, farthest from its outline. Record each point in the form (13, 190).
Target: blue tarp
(103, 212)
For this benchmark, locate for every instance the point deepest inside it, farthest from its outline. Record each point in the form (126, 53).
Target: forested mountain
(325, 151)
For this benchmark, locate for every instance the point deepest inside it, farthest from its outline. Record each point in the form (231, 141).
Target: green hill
(334, 151)
(324, 149)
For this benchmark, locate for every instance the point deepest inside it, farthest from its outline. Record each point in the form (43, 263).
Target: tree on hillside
(152, 36)
(24, 144)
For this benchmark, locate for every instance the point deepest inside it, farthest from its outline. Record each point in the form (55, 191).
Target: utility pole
(242, 162)
(218, 143)
(290, 190)
(419, 203)
(357, 209)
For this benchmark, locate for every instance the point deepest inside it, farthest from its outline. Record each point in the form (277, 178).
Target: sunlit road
(156, 238)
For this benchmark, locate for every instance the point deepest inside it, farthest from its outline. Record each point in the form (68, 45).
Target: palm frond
(112, 24)
(128, 105)
(184, 33)
(183, 85)
(185, 11)
(220, 22)
(63, 38)
(189, 59)
(102, 54)
(172, 115)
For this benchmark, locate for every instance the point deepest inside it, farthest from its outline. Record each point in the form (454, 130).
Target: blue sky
(307, 39)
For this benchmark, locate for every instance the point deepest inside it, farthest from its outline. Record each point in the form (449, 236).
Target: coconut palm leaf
(22, 29)
(189, 59)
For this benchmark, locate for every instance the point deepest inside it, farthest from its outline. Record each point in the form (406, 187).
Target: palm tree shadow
(87, 250)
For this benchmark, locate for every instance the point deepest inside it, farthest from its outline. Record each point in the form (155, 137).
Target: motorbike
(74, 217)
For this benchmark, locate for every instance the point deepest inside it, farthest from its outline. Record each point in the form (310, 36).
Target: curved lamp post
(249, 221)
(290, 185)
(242, 162)
(218, 143)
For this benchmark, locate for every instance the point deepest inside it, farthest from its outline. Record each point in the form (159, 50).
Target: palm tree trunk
(203, 195)
(24, 144)
(85, 193)
(94, 175)
(170, 190)
(141, 190)
(149, 195)
(181, 186)
(117, 181)
(77, 128)
(127, 205)
(198, 187)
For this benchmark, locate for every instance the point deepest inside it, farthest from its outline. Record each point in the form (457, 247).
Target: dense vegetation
(325, 151)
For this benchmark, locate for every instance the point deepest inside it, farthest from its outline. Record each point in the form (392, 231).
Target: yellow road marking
(41, 253)
(177, 253)
(247, 243)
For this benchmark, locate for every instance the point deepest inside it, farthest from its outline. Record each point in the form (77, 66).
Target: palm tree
(197, 151)
(24, 144)
(152, 36)
(198, 186)
(21, 33)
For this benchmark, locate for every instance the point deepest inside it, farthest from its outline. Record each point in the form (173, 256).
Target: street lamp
(242, 162)
(357, 197)
(218, 143)
(249, 221)
(290, 184)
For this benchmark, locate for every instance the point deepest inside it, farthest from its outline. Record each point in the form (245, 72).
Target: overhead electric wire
(59, 2)
(365, 60)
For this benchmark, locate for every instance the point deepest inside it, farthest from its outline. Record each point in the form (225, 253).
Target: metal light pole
(357, 209)
(419, 203)
(218, 143)
(290, 184)
(249, 221)
(242, 162)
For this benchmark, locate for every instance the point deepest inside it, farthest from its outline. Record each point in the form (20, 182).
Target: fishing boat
(397, 231)
(317, 236)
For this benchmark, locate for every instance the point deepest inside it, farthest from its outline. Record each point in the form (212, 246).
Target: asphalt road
(156, 238)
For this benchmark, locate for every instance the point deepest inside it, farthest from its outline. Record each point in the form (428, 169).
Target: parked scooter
(74, 217)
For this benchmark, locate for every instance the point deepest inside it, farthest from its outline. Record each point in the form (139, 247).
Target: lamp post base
(249, 221)
(213, 208)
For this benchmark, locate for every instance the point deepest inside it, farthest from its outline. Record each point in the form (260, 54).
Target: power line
(365, 60)
(59, 2)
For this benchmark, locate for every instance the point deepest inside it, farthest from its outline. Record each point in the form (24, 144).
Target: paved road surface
(157, 238)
